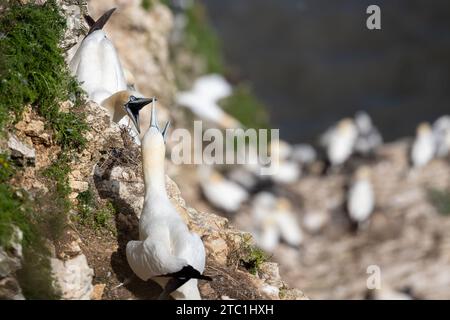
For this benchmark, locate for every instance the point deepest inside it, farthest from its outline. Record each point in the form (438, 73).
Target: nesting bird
(423, 148)
(96, 63)
(441, 132)
(369, 138)
(220, 192)
(288, 171)
(166, 251)
(203, 98)
(274, 219)
(340, 141)
(361, 197)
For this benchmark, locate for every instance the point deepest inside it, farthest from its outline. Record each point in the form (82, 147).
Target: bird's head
(133, 105)
(423, 129)
(155, 138)
(363, 173)
(346, 125)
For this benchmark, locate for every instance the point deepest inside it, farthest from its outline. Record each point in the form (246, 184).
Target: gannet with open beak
(96, 63)
(167, 252)
(361, 197)
(369, 138)
(124, 103)
(424, 146)
(341, 142)
(221, 193)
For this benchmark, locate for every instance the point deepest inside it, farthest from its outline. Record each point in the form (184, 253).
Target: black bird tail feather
(100, 23)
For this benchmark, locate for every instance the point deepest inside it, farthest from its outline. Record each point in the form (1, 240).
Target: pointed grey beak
(153, 119)
(133, 107)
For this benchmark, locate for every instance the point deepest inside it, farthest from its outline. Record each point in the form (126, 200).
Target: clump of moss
(93, 214)
(247, 108)
(17, 210)
(440, 199)
(250, 256)
(33, 70)
(202, 40)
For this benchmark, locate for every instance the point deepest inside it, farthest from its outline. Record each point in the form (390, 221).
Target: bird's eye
(132, 98)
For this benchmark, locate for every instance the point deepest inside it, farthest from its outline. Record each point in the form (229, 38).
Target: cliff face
(105, 186)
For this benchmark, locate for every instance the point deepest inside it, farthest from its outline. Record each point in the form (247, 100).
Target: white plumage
(369, 138)
(441, 132)
(203, 97)
(361, 198)
(340, 141)
(165, 243)
(424, 147)
(220, 192)
(97, 67)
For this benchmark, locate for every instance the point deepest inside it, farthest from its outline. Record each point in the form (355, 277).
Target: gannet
(203, 97)
(223, 194)
(124, 103)
(274, 221)
(361, 198)
(314, 221)
(288, 171)
(441, 132)
(166, 247)
(341, 142)
(424, 147)
(96, 63)
(303, 153)
(369, 138)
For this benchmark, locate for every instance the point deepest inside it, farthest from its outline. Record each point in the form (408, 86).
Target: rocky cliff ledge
(105, 187)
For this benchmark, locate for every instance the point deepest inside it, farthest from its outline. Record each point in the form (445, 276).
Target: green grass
(33, 71)
(93, 214)
(202, 40)
(440, 199)
(252, 257)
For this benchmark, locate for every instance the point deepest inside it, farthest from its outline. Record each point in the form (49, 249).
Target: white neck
(154, 176)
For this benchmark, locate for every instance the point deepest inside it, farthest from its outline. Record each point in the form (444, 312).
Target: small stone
(20, 151)
(97, 292)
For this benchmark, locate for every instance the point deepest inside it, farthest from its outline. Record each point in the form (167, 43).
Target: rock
(97, 292)
(10, 262)
(74, 277)
(26, 155)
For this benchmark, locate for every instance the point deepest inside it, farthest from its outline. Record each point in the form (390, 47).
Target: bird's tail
(179, 278)
(100, 23)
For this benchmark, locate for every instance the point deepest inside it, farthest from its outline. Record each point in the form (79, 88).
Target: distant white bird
(303, 153)
(369, 138)
(424, 147)
(441, 132)
(341, 141)
(288, 171)
(167, 251)
(274, 220)
(96, 63)
(202, 100)
(361, 197)
(220, 192)
(314, 221)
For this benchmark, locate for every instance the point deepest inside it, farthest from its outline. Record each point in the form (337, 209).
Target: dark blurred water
(314, 61)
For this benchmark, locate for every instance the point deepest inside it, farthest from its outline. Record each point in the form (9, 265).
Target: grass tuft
(440, 199)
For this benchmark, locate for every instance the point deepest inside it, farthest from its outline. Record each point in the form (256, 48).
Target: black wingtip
(90, 21)
(100, 23)
(188, 272)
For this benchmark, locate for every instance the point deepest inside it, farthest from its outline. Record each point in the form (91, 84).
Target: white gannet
(303, 153)
(124, 103)
(441, 132)
(361, 197)
(223, 194)
(369, 138)
(424, 147)
(274, 221)
(166, 248)
(203, 97)
(314, 221)
(96, 63)
(288, 171)
(341, 141)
